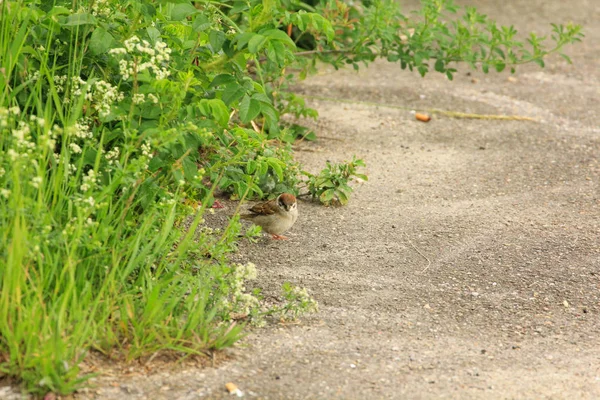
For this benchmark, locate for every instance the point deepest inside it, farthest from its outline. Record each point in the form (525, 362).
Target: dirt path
(467, 267)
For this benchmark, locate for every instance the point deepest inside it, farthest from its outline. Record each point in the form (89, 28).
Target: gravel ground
(467, 266)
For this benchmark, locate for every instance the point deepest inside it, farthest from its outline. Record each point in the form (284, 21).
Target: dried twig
(420, 253)
(451, 114)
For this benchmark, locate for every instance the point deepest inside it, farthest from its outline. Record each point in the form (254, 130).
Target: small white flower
(119, 50)
(146, 150)
(153, 98)
(5, 193)
(138, 98)
(35, 181)
(12, 154)
(75, 148)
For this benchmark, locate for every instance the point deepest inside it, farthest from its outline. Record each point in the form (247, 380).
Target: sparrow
(275, 216)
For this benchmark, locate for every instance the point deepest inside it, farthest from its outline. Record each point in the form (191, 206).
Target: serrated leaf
(256, 43)
(100, 41)
(249, 109)
(263, 98)
(222, 79)
(153, 34)
(217, 109)
(190, 169)
(251, 166)
(242, 39)
(274, 163)
(269, 112)
(80, 19)
(201, 23)
(216, 40)
(280, 36)
(232, 93)
(182, 11)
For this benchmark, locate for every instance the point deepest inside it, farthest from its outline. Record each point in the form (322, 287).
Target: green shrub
(113, 113)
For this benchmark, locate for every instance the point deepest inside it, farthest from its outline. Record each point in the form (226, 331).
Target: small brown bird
(275, 216)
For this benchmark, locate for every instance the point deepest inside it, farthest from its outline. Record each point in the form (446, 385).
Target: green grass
(87, 261)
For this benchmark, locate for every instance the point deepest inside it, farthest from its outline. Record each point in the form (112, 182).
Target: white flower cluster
(36, 181)
(75, 148)
(143, 57)
(138, 98)
(147, 150)
(243, 302)
(100, 93)
(59, 83)
(101, 8)
(153, 98)
(89, 181)
(23, 141)
(81, 129)
(112, 155)
(104, 95)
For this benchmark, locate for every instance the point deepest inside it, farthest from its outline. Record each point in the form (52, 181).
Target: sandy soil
(467, 267)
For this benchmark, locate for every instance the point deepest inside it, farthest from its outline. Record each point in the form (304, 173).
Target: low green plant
(332, 185)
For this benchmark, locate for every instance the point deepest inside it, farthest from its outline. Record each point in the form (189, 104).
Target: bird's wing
(266, 208)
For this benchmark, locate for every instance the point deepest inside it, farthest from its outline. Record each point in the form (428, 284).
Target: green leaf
(189, 168)
(269, 111)
(153, 34)
(280, 36)
(242, 39)
(327, 196)
(343, 197)
(500, 67)
(222, 79)
(276, 165)
(218, 110)
(251, 166)
(566, 57)
(201, 23)
(232, 93)
(439, 65)
(263, 98)
(256, 43)
(100, 41)
(539, 62)
(249, 109)
(80, 19)
(216, 40)
(182, 11)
